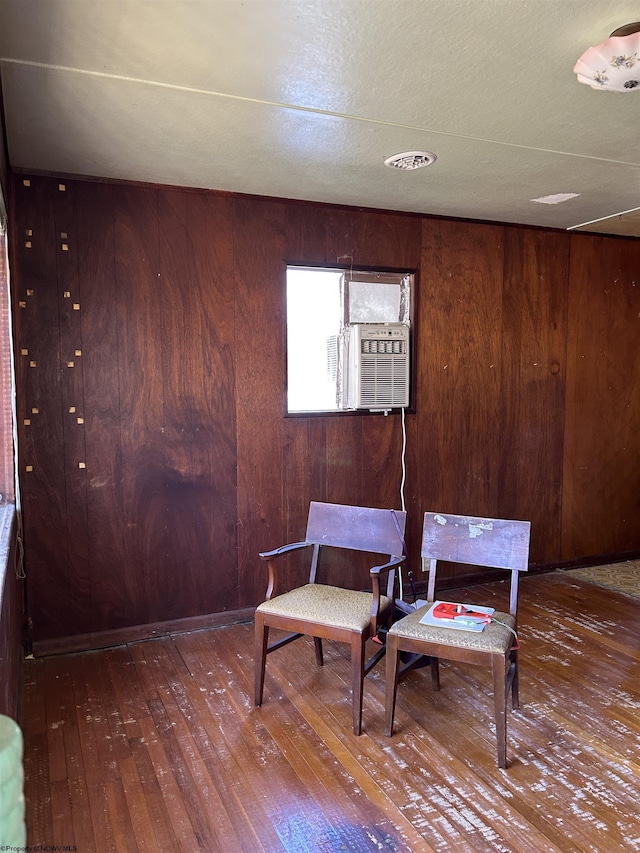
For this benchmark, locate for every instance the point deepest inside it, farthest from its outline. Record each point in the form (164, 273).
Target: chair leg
(260, 658)
(391, 683)
(357, 679)
(500, 666)
(317, 642)
(515, 687)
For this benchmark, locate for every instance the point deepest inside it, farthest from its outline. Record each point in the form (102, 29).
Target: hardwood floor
(156, 746)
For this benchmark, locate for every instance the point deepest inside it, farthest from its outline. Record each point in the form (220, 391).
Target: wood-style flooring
(156, 745)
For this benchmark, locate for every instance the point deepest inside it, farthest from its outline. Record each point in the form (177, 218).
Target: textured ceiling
(305, 100)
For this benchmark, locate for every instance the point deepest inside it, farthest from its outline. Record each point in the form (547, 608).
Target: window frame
(7, 380)
(342, 269)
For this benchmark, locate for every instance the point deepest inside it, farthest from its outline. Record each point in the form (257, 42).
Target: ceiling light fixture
(614, 64)
(410, 160)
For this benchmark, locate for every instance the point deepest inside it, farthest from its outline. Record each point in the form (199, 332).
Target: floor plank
(157, 746)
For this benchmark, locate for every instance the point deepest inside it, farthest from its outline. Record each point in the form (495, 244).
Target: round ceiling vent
(410, 160)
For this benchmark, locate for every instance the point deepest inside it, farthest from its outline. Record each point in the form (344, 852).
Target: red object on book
(447, 610)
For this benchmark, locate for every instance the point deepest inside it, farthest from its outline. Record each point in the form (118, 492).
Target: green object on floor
(12, 826)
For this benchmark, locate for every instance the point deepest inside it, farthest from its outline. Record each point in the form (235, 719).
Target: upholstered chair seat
(494, 638)
(333, 605)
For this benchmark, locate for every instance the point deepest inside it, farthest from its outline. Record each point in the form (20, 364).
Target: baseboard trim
(136, 633)
(491, 575)
(584, 562)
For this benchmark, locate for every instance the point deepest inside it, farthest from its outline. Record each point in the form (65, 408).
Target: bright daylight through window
(347, 340)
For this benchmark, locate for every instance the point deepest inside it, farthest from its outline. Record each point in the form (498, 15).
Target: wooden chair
(489, 542)
(332, 612)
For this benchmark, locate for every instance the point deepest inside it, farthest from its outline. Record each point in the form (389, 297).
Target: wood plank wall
(601, 469)
(155, 458)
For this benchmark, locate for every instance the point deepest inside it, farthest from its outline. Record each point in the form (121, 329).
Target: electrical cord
(402, 501)
(405, 551)
(509, 628)
(403, 462)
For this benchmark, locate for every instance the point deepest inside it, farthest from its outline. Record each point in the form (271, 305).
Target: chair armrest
(270, 556)
(392, 564)
(267, 555)
(374, 573)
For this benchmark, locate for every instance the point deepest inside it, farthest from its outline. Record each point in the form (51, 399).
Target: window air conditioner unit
(377, 366)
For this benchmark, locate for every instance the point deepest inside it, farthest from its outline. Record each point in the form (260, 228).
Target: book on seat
(460, 617)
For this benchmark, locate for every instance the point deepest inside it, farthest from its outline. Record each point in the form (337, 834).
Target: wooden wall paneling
(377, 457)
(260, 229)
(382, 460)
(139, 315)
(182, 409)
(192, 467)
(100, 405)
(304, 470)
(306, 234)
(460, 367)
(533, 384)
(373, 238)
(40, 439)
(343, 463)
(196, 274)
(211, 235)
(601, 499)
(69, 295)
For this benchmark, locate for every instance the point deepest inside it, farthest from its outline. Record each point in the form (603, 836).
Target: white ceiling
(305, 100)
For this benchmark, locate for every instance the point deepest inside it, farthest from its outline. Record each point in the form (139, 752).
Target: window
(347, 339)
(7, 487)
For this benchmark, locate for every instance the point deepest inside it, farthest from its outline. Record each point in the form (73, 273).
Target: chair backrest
(491, 542)
(359, 528)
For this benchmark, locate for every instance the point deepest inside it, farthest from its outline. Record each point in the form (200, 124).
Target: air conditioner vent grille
(383, 382)
(378, 366)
